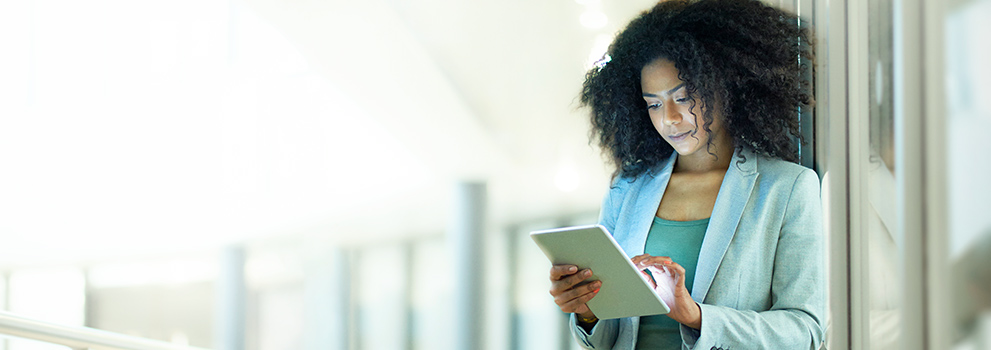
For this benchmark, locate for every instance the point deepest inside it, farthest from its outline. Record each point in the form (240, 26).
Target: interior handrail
(78, 337)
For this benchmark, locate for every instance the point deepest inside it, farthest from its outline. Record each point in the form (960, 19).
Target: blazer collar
(654, 182)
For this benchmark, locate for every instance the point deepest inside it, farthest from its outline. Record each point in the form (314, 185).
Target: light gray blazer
(760, 279)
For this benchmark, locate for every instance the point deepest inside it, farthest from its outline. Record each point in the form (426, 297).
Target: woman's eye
(681, 100)
(653, 105)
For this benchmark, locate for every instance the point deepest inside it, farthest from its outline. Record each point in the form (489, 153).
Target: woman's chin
(683, 147)
(685, 151)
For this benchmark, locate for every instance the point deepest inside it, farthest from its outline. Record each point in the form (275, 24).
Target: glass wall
(968, 118)
(884, 259)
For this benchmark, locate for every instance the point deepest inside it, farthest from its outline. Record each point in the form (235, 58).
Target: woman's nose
(672, 115)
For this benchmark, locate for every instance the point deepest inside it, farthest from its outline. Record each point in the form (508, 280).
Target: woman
(698, 108)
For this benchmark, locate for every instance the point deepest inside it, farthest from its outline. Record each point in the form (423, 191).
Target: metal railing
(78, 337)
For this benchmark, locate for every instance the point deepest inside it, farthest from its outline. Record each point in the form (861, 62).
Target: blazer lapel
(646, 206)
(734, 193)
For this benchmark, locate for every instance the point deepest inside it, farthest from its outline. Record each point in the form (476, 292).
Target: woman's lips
(679, 137)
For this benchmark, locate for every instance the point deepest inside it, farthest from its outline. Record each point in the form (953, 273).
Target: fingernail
(572, 269)
(587, 273)
(596, 290)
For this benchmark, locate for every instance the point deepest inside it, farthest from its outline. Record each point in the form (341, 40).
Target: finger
(578, 277)
(578, 305)
(567, 282)
(679, 270)
(577, 292)
(654, 261)
(580, 309)
(560, 271)
(639, 258)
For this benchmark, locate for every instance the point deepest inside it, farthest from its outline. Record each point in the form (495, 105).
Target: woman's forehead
(659, 77)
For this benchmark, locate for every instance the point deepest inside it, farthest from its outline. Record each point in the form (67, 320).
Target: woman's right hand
(568, 294)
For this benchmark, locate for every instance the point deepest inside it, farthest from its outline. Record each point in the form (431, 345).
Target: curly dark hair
(742, 57)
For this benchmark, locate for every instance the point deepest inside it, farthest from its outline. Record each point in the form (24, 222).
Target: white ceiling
(357, 135)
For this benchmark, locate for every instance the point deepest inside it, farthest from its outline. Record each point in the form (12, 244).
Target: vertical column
(409, 312)
(465, 243)
(4, 303)
(564, 329)
(327, 293)
(515, 317)
(856, 21)
(910, 109)
(354, 310)
(831, 146)
(936, 171)
(230, 300)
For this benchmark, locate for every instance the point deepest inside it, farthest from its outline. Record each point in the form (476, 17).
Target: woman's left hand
(683, 309)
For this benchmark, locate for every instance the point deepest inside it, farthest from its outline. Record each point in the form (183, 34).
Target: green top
(682, 241)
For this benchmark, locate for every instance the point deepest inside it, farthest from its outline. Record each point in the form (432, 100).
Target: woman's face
(675, 115)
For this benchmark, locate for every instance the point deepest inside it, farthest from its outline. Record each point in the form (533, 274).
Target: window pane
(883, 260)
(968, 87)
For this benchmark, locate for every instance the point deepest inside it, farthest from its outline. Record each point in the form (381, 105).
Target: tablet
(625, 291)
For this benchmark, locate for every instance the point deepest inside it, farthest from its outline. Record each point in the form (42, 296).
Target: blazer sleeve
(796, 317)
(603, 335)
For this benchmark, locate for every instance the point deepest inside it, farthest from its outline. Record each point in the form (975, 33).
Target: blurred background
(303, 174)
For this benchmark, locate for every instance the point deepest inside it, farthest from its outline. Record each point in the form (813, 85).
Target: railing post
(327, 297)
(5, 303)
(229, 318)
(465, 242)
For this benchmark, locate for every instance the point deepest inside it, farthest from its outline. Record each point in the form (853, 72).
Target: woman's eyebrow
(647, 94)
